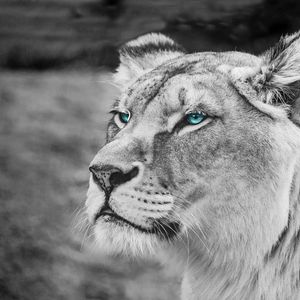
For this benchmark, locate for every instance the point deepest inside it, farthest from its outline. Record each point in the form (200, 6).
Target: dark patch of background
(47, 34)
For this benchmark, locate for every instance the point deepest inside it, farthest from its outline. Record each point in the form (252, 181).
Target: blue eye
(124, 117)
(195, 118)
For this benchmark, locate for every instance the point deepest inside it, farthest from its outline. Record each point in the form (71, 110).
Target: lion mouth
(162, 229)
(105, 211)
(111, 216)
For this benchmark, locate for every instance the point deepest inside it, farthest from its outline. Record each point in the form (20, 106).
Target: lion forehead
(179, 93)
(207, 63)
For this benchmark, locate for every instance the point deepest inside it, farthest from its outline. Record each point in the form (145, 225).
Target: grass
(51, 125)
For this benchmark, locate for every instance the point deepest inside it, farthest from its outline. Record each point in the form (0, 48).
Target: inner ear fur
(144, 54)
(279, 76)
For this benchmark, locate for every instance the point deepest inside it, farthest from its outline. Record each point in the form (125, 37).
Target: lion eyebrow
(116, 104)
(187, 99)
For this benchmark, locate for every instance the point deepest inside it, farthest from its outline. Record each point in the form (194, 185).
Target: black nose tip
(109, 177)
(118, 178)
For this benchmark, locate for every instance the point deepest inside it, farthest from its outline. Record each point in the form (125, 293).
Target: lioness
(202, 167)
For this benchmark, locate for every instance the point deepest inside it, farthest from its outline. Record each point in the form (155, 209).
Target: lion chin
(119, 238)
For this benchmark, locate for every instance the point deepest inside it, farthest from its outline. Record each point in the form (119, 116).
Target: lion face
(190, 159)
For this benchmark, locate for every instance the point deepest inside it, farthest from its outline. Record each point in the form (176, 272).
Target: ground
(51, 125)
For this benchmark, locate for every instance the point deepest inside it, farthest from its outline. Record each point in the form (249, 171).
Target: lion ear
(144, 54)
(279, 75)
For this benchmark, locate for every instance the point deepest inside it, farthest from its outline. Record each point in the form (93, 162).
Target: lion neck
(276, 277)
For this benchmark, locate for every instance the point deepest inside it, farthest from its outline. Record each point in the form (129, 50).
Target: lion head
(202, 150)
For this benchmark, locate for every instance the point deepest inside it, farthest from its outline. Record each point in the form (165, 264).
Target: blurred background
(56, 59)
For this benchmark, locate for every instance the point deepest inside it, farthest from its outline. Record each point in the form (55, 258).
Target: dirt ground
(51, 125)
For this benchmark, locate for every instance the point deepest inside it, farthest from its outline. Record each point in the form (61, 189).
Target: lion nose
(109, 177)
